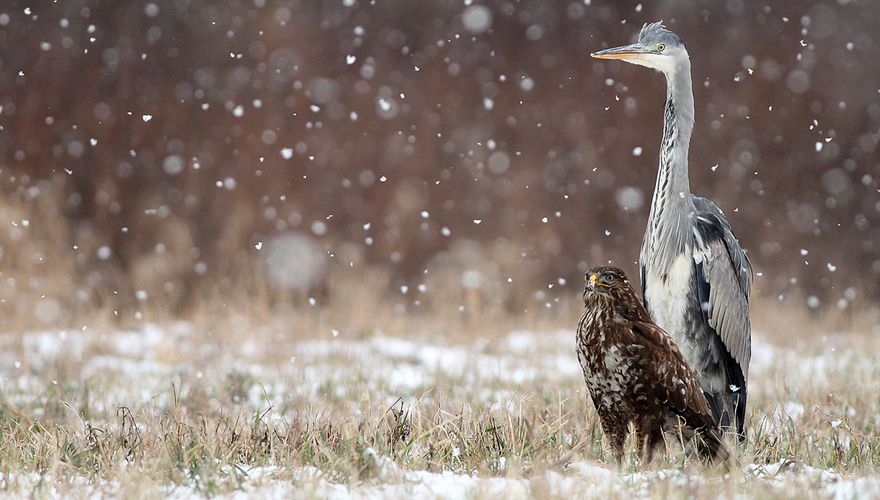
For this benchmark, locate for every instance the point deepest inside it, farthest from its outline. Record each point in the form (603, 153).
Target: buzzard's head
(608, 291)
(608, 282)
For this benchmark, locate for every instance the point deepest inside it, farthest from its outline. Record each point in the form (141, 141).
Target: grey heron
(696, 278)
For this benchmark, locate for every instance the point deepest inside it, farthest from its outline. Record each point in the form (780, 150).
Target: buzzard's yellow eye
(660, 47)
(609, 278)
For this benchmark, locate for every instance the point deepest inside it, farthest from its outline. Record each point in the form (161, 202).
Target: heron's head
(657, 48)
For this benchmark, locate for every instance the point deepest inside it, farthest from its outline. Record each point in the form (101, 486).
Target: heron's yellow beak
(626, 52)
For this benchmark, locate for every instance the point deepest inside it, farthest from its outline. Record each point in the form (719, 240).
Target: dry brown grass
(198, 405)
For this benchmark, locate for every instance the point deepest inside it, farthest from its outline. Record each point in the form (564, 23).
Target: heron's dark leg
(716, 404)
(739, 401)
(727, 422)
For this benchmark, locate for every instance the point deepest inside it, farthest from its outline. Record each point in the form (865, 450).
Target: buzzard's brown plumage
(636, 374)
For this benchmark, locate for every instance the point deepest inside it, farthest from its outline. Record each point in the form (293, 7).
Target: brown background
(773, 80)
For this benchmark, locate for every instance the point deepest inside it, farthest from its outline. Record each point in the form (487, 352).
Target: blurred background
(450, 156)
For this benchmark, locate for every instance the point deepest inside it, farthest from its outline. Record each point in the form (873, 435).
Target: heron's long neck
(668, 229)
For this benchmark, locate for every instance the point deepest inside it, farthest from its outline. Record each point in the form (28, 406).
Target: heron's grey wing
(726, 272)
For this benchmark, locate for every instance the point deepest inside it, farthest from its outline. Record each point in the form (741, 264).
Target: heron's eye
(660, 47)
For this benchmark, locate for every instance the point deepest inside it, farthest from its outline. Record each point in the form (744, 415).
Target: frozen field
(178, 411)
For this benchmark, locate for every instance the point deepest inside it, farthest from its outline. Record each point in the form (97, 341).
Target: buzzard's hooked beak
(591, 282)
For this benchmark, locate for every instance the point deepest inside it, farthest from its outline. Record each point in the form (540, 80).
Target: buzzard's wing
(673, 379)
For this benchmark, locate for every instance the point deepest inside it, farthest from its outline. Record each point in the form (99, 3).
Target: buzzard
(636, 374)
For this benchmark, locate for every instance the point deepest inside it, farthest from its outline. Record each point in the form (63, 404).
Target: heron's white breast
(668, 300)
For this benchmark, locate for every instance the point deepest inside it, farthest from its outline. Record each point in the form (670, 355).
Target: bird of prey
(636, 374)
(695, 276)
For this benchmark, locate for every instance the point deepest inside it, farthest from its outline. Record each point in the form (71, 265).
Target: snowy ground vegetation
(184, 409)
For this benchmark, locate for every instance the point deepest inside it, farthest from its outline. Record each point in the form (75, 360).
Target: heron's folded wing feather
(728, 273)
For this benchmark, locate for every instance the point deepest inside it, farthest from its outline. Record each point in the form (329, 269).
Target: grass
(212, 408)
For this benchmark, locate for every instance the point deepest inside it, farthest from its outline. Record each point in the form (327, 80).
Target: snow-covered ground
(579, 480)
(147, 360)
(816, 389)
(784, 479)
